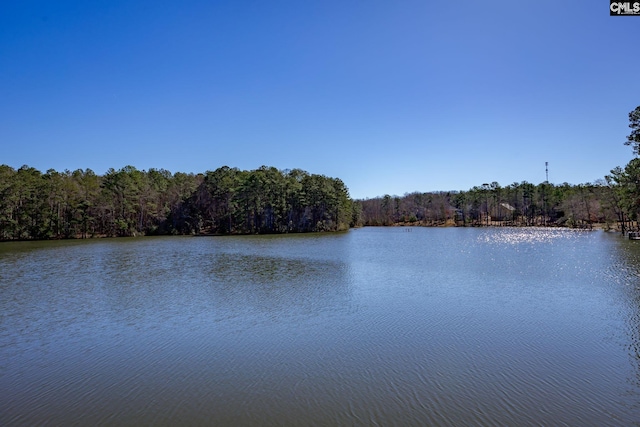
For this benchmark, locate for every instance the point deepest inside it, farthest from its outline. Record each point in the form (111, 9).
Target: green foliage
(267, 200)
(624, 184)
(633, 138)
(130, 202)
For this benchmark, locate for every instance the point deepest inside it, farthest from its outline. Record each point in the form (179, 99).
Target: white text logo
(624, 8)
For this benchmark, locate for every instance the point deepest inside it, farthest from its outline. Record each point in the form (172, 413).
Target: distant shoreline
(505, 224)
(449, 224)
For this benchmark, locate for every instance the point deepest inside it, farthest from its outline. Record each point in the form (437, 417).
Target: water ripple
(439, 327)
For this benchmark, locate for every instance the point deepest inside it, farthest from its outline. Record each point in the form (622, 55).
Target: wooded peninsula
(132, 202)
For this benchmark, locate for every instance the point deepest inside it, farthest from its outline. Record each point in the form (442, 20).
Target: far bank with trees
(612, 202)
(132, 202)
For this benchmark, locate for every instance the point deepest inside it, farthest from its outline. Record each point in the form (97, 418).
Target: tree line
(517, 204)
(613, 201)
(130, 202)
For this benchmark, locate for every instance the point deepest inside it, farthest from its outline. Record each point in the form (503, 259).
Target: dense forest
(130, 202)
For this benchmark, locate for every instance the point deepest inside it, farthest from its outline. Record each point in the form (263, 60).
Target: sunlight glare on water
(516, 236)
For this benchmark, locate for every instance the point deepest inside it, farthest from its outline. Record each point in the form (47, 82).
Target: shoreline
(609, 228)
(504, 224)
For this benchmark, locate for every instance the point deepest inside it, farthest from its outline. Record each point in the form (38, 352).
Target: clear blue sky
(389, 96)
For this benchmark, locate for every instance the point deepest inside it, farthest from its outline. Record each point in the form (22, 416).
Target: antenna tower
(546, 169)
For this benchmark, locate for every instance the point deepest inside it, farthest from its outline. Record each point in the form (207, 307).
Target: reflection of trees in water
(278, 286)
(161, 284)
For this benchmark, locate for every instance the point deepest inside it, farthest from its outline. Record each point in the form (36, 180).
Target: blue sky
(390, 96)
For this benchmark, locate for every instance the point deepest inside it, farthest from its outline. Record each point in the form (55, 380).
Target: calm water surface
(441, 327)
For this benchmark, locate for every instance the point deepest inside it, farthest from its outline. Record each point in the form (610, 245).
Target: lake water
(376, 326)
